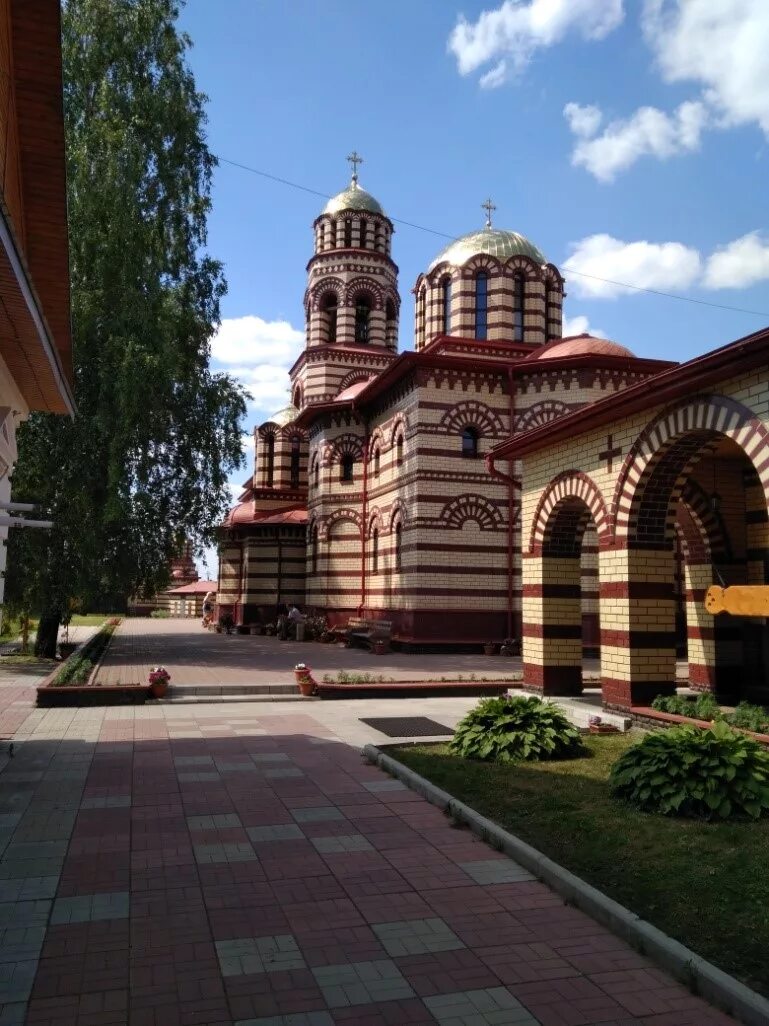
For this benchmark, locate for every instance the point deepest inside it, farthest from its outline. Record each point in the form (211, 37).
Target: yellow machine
(739, 600)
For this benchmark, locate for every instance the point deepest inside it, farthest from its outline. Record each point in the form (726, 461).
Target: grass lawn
(705, 884)
(91, 619)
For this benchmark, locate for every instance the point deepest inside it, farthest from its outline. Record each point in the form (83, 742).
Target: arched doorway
(693, 512)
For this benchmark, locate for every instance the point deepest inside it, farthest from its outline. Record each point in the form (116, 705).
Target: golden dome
(494, 242)
(285, 416)
(353, 198)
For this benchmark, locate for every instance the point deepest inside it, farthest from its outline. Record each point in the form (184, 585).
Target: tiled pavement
(241, 866)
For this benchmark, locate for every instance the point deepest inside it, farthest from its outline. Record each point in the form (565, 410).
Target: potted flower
(490, 648)
(304, 679)
(596, 726)
(381, 647)
(158, 679)
(509, 647)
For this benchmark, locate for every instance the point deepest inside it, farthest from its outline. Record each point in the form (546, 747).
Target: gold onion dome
(285, 416)
(494, 242)
(353, 198)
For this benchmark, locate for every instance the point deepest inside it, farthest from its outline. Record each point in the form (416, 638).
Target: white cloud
(663, 265)
(647, 132)
(259, 354)
(579, 325)
(739, 264)
(511, 33)
(723, 45)
(498, 75)
(583, 120)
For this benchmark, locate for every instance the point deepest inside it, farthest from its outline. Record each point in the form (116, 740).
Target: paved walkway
(240, 864)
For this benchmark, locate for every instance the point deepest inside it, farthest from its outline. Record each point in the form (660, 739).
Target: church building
(470, 489)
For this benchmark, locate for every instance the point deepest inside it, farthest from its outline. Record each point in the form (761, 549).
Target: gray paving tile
(8, 820)
(235, 766)
(294, 1019)
(494, 1006)
(197, 778)
(240, 852)
(416, 937)
(194, 760)
(25, 913)
(21, 943)
(15, 869)
(277, 774)
(278, 832)
(114, 801)
(91, 908)
(380, 786)
(494, 871)
(341, 844)
(269, 954)
(16, 979)
(35, 850)
(320, 814)
(270, 757)
(361, 983)
(223, 821)
(13, 1014)
(22, 777)
(29, 888)
(50, 826)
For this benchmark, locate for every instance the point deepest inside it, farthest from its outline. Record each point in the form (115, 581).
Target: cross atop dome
(354, 159)
(489, 207)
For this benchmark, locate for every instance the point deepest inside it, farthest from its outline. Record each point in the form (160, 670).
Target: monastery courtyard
(239, 863)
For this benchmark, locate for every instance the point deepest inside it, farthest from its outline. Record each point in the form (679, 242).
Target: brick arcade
(500, 480)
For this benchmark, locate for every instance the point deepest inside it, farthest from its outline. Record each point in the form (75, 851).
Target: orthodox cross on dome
(354, 159)
(489, 207)
(609, 453)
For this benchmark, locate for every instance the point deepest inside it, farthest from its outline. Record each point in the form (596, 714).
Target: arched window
(269, 443)
(391, 323)
(377, 462)
(362, 233)
(329, 307)
(362, 315)
(296, 444)
(423, 316)
(470, 443)
(398, 545)
(297, 397)
(347, 464)
(518, 290)
(446, 305)
(375, 551)
(481, 304)
(348, 234)
(316, 472)
(399, 450)
(551, 330)
(314, 548)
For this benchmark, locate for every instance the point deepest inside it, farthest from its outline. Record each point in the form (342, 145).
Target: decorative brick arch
(290, 430)
(471, 507)
(268, 428)
(482, 262)
(324, 286)
(353, 377)
(397, 515)
(520, 264)
(668, 448)
(344, 445)
(552, 277)
(362, 285)
(377, 440)
(708, 522)
(472, 414)
(571, 485)
(398, 426)
(339, 516)
(541, 413)
(375, 521)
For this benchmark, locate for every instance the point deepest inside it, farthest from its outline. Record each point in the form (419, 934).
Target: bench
(366, 632)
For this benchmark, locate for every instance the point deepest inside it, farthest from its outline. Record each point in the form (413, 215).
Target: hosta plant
(702, 707)
(716, 773)
(513, 729)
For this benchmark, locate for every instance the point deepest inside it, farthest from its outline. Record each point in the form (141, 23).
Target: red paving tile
(189, 891)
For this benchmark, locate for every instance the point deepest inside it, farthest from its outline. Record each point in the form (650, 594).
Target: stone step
(225, 690)
(227, 698)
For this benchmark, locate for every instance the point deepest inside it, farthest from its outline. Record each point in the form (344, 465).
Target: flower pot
(603, 728)
(159, 688)
(381, 648)
(305, 682)
(490, 649)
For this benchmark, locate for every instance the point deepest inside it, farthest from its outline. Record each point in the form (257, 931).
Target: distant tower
(352, 301)
(182, 568)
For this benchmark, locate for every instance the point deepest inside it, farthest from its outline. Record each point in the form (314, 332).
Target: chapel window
(348, 234)
(295, 457)
(316, 472)
(362, 316)
(398, 545)
(446, 305)
(377, 462)
(481, 304)
(399, 450)
(423, 316)
(375, 551)
(391, 324)
(314, 549)
(362, 234)
(469, 443)
(347, 465)
(329, 306)
(270, 446)
(518, 293)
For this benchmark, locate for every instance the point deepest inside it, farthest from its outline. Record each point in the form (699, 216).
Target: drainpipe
(280, 567)
(511, 482)
(364, 517)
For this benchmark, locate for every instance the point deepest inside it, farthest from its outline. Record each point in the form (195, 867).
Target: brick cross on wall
(609, 453)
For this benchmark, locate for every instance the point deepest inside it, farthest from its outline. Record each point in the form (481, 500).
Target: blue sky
(626, 138)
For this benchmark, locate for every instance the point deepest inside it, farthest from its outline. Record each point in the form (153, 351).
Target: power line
(445, 235)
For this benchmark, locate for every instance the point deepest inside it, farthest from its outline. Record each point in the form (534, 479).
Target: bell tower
(352, 302)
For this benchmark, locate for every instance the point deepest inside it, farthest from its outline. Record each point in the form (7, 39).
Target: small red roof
(197, 587)
(291, 516)
(580, 345)
(352, 390)
(244, 513)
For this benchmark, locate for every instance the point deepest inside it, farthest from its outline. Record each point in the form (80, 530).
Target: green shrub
(750, 717)
(513, 729)
(715, 773)
(703, 707)
(160, 614)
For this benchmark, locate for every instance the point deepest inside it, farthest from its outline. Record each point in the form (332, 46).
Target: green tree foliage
(688, 771)
(516, 729)
(156, 435)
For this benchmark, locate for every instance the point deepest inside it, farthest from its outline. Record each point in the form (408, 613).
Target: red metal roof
(196, 588)
(580, 345)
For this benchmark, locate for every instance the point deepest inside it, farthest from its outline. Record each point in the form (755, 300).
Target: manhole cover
(408, 726)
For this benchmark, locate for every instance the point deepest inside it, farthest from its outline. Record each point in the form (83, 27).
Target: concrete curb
(685, 965)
